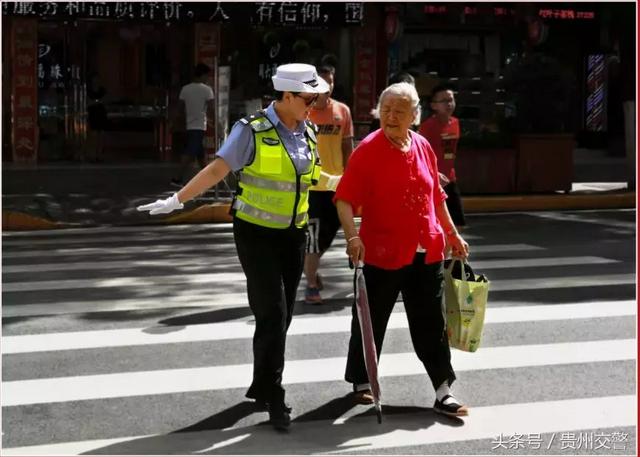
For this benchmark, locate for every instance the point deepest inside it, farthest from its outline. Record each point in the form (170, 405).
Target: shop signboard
(307, 14)
(24, 115)
(318, 15)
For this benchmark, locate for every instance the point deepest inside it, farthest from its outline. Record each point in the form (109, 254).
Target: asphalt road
(137, 340)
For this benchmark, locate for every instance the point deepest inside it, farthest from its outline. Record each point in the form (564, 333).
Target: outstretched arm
(208, 177)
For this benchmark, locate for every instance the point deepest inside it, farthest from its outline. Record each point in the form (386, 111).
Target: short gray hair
(404, 90)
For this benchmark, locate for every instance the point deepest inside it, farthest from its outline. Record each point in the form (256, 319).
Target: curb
(219, 212)
(15, 221)
(214, 212)
(548, 202)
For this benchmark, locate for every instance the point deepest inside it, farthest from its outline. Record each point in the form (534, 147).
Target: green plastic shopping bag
(465, 296)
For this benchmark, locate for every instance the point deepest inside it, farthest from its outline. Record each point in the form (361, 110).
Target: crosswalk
(137, 340)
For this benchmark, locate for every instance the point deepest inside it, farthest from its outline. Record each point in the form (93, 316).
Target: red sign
(364, 88)
(435, 9)
(24, 104)
(206, 52)
(392, 26)
(566, 14)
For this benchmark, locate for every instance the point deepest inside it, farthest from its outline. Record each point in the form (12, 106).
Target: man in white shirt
(197, 105)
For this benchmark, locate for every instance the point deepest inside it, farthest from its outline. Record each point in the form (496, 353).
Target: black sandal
(453, 409)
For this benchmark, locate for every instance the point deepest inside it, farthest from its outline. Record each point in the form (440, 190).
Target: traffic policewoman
(274, 151)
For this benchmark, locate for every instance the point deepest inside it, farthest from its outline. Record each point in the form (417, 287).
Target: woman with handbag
(393, 177)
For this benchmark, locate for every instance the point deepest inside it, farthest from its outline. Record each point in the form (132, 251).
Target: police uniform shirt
(238, 150)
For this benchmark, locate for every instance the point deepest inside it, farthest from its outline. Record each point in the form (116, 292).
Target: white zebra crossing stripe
(142, 235)
(359, 435)
(156, 382)
(504, 420)
(196, 298)
(202, 261)
(562, 282)
(158, 236)
(88, 231)
(167, 282)
(580, 218)
(300, 326)
(231, 261)
(210, 247)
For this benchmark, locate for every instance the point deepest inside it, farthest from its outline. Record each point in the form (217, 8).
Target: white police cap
(299, 77)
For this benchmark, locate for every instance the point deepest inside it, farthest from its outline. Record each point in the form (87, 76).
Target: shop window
(53, 81)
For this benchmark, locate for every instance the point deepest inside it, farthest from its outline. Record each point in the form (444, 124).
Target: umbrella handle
(379, 414)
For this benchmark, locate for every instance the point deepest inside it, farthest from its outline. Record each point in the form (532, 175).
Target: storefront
(522, 72)
(99, 81)
(472, 45)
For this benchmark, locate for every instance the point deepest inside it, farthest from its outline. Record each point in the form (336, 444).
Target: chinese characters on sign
(435, 9)
(24, 90)
(299, 14)
(589, 441)
(566, 14)
(165, 11)
(364, 85)
(267, 70)
(307, 14)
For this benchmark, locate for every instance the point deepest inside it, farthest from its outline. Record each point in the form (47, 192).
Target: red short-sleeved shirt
(444, 140)
(398, 193)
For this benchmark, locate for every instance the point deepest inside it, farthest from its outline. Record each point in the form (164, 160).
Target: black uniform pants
(272, 260)
(422, 288)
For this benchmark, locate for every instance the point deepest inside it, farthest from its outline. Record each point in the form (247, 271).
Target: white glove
(162, 206)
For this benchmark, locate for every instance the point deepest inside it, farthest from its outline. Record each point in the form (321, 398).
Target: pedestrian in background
(442, 130)
(196, 106)
(335, 144)
(393, 176)
(275, 153)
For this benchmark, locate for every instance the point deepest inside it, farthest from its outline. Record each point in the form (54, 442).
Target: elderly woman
(393, 177)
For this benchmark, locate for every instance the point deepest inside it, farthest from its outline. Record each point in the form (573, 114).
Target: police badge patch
(270, 141)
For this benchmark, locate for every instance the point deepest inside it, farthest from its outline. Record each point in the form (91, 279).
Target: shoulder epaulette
(258, 121)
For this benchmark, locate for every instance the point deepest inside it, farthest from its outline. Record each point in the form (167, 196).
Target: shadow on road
(313, 432)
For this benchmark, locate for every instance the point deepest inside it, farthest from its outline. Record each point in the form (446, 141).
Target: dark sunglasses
(307, 101)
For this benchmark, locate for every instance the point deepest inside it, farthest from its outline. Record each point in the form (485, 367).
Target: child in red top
(442, 130)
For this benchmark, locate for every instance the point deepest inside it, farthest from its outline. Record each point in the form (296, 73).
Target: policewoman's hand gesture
(162, 206)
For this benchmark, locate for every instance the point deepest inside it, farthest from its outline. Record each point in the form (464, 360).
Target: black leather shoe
(262, 405)
(279, 416)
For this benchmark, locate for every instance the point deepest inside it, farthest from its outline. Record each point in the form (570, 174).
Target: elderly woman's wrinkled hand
(355, 249)
(459, 247)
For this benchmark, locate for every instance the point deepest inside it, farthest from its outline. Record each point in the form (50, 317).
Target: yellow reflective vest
(270, 191)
